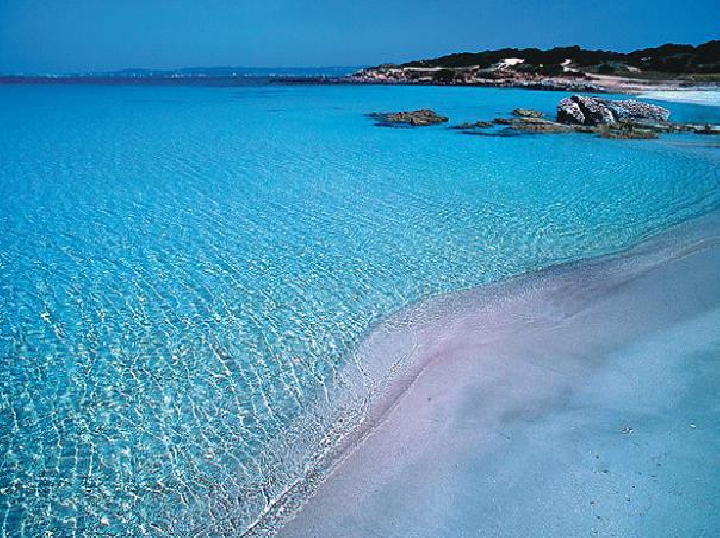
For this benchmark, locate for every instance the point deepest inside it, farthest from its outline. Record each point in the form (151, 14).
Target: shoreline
(443, 331)
(471, 212)
(690, 96)
(592, 84)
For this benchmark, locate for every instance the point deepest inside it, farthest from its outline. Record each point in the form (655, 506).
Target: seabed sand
(578, 401)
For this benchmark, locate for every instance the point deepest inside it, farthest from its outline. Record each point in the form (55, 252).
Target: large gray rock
(581, 110)
(630, 109)
(569, 111)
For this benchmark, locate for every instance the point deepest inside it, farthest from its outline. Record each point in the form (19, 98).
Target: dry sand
(698, 97)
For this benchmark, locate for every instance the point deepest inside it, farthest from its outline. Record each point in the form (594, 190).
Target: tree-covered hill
(668, 58)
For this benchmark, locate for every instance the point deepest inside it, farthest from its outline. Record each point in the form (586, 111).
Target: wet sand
(577, 401)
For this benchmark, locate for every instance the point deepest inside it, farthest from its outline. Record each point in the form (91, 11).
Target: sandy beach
(662, 90)
(369, 270)
(698, 97)
(578, 401)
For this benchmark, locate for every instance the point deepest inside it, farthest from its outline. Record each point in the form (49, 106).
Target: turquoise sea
(186, 272)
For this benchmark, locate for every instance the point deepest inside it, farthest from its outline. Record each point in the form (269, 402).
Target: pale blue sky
(80, 35)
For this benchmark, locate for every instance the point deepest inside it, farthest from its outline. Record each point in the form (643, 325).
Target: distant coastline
(593, 84)
(669, 67)
(195, 76)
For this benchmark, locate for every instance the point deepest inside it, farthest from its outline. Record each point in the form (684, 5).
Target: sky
(44, 36)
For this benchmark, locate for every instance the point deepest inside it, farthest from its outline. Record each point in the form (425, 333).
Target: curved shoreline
(697, 96)
(422, 336)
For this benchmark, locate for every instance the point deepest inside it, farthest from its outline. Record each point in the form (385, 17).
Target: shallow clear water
(184, 271)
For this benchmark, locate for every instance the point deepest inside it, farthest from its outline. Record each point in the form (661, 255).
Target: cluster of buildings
(507, 72)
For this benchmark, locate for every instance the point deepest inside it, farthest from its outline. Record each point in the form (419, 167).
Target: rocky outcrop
(697, 128)
(586, 129)
(476, 125)
(661, 127)
(580, 110)
(628, 134)
(417, 118)
(527, 113)
(631, 109)
(583, 111)
(569, 111)
(708, 130)
(544, 127)
(616, 119)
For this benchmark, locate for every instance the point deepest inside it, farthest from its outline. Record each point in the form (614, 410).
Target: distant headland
(667, 67)
(567, 68)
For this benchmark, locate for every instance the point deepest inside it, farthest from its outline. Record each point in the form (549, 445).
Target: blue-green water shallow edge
(579, 400)
(184, 271)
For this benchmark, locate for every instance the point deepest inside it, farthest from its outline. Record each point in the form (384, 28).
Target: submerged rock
(657, 127)
(416, 118)
(581, 110)
(537, 125)
(708, 130)
(626, 119)
(587, 129)
(476, 125)
(530, 121)
(527, 113)
(541, 127)
(628, 134)
(494, 133)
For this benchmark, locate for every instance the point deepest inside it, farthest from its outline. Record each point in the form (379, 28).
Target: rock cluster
(620, 119)
(476, 125)
(628, 134)
(415, 118)
(708, 129)
(539, 125)
(580, 110)
(527, 113)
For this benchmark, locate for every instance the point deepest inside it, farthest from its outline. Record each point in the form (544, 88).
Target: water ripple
(184, 276)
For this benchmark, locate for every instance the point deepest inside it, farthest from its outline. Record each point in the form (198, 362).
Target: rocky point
(580, 110)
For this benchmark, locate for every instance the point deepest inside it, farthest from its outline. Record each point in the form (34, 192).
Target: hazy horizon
(175, 68)
(73, 36)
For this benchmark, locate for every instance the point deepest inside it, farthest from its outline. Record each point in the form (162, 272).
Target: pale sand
(578, 401)
(662, 90)
(698, 97)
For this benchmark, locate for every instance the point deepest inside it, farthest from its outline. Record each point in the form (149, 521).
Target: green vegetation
(445, 75)
(669, 59)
